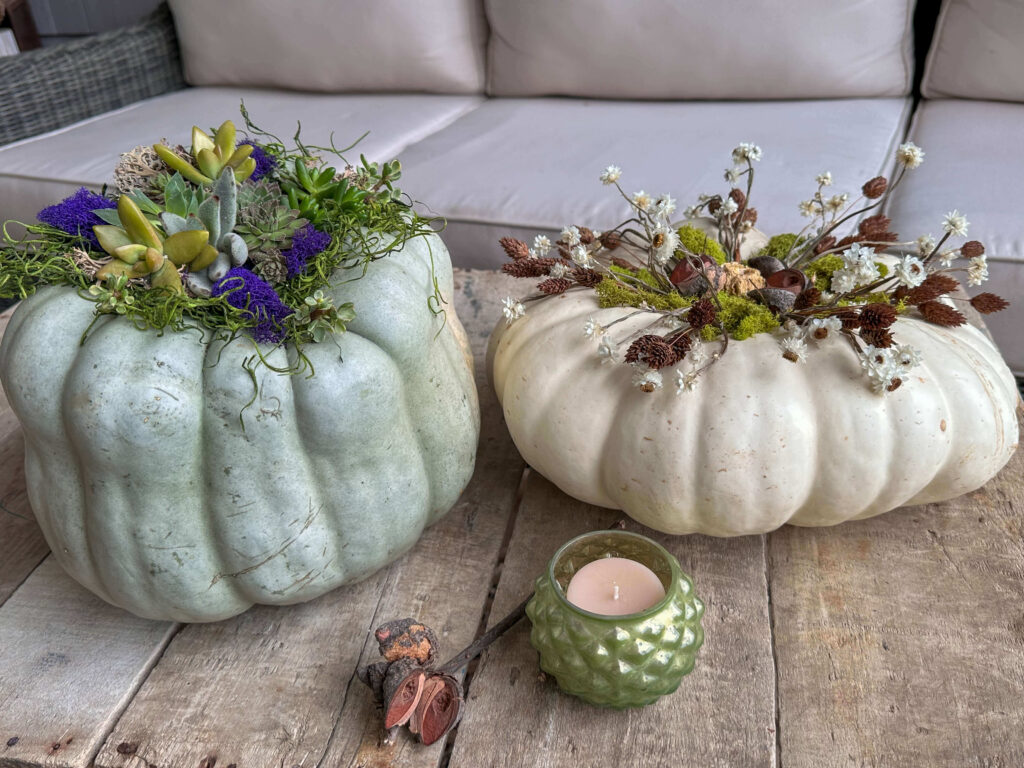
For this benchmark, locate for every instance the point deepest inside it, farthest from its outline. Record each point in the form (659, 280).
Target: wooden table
(896, 641)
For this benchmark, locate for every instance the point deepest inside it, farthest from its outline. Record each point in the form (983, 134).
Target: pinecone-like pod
(850, 319)
(933, 286)
(528, 267)
(586, 235)
(681, 345)
(750, 216)
(652, 350)
(555, 285)
(875, 317)
(848, 240)
(875, 188)
(515, 248)
(972, 249)
(738, 197)
(941, 314)
(828, 241)
(623, 264)
(809, 297)
(702, 313)
(987, 303)
(880, 337)
(881, 238)
(611, 240)
(874, 224)
(586, 277)
(714, 204)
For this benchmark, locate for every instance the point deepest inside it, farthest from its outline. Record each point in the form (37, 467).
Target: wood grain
(277, 685)
(900, 639)
(69, 663)
(722, 714)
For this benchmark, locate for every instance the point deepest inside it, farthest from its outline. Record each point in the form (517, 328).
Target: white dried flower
(606, 350)
(820, 327)
(592, 328)
(541, 245)
(946, 258)
(664, 241)
(685, 382)
(955, 223)
(513, 309)
(909, 155)
(641, 200)
(843, 281)
(581, 257)
(647, 379)
(824, 179)
(746, 152)
(732, 175)
(835, 203)
(794, 349)
(664, 207)
(910, 271)
(692, 212)
(558, 269)
(571, 235)
(610, 174)
(925, 245)
(698, 354)
(729, 206)
(907, 356)
(809, 208)
(977, 270)
(881, 368)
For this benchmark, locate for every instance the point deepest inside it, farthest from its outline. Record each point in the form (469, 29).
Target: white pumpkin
(150, 492)
(760, 441)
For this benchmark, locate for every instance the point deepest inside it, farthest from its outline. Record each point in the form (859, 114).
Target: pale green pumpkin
(152, 495)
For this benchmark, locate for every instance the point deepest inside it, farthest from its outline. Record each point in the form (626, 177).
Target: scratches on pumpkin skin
(310, 518)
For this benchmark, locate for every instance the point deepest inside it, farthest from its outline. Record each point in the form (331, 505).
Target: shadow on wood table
(895, 641)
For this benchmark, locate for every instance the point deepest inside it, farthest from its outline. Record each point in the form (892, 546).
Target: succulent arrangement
(231, 236)
(715, 278)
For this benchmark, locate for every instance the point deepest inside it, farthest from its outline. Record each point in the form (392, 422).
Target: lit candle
(615, 586)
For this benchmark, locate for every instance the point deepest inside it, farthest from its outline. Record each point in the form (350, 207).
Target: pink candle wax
(615, 586)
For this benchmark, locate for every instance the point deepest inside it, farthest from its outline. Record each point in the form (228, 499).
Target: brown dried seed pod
(372, 676)
(528, 267)
(972, 249)
(880, 337)
(766, 265)
(850, 319)
(877, 316)
(934, 285)
(611, 240)
(750, 216)
(681, 345)
(778, 300)
(439, 709)
(623, 264)
(586, 235)
(792, 280)
(555, 285)
(406, 639)
(809, 297)
(848, 240)
(872, 224)
(875, 188)
(714, 204)
(515, 248)
(652, 350)
(403, 687)
(702, 313)
(738, 196)
(987, 303)
(824, 244)
(941, 314)
(586, 277)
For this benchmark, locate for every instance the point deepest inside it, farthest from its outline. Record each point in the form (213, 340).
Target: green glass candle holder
(616, 661)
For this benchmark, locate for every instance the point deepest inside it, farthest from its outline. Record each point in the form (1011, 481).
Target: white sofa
(503, 112)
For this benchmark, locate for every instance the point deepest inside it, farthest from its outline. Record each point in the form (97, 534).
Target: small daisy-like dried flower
(570, 236)
(652, 350)
(925, 245)
(611, 240)
(641, 200)
(987, 303)
(977, 270)
(824, 244)
(874, 224)
(909, 155)
(554, 285)
(541, 245)
(559, 269)
(972, 249)
(647, 380)
(875, 188)
(955, 223)
(611, 174)
(746, 151)
(732, 175)
(820, 327)
(809, 208)
(528, 267)
(880, 337)
(794, 349)
(514, 248)
(512, 309)
(836, 202)
(910, 271)
(685, 382)
(934, 285)
(586, 277)
(592, 328)
(941, 314)
(809, 297)
(606, 351)
(824, 179)
(877, 316)
(582, 258)
(702, 313)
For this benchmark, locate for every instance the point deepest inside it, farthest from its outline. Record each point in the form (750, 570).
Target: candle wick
(616, 590)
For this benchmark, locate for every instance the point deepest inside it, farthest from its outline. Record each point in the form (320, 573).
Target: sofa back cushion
(700, 49)
(977, 51)
(334, 45)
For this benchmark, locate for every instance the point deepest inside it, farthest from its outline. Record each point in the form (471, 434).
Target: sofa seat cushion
(523, 166)
(966, 168)
(39, 171)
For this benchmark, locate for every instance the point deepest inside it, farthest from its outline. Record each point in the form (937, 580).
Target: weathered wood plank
(304, 706)
(722, 714)
(900, 639)
(69, 663)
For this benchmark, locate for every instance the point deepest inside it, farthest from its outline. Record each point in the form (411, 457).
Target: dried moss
(698, 242)
(779, 246)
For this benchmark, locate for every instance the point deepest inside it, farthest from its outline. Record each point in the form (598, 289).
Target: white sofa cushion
(41, 170)
(522, 166)
(965, 168)
(977, 51)
(334, 45)
(696, 49)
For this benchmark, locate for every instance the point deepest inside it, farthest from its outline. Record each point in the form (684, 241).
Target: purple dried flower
(265, 162)
(306, 243)
(246, 290)
(75, 216)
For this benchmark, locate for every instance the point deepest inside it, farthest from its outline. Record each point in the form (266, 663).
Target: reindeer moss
(698, 242)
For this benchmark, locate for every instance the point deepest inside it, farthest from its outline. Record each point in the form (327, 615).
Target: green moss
(611, 294)
(883, 270)
(779, 246)
(699, 242)
(743, 317)
(820, 270)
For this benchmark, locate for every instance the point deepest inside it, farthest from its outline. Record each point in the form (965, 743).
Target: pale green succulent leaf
(129, 253)
(205, 258)
(109, 215)
(208, 163)
(136, 224)
(240, 155)
(225, 139)
(200, 140)
(184, 247)
(227, 191)
(113, 268)
(209, 214)
(111, 237)
(166, 276)
(180, 165)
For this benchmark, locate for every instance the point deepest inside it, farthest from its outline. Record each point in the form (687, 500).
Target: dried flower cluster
(811, 287)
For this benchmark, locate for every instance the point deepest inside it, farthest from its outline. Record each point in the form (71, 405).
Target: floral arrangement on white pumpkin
(785, 356)
(236, 373)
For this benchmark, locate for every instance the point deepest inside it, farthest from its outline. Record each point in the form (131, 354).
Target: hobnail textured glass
(616, 661)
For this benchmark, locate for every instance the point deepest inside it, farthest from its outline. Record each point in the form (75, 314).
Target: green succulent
(266, 223)
(315, 193)
(216, 216)
(111, 296)
(317, 317)
(212, 154)
(139, 250)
